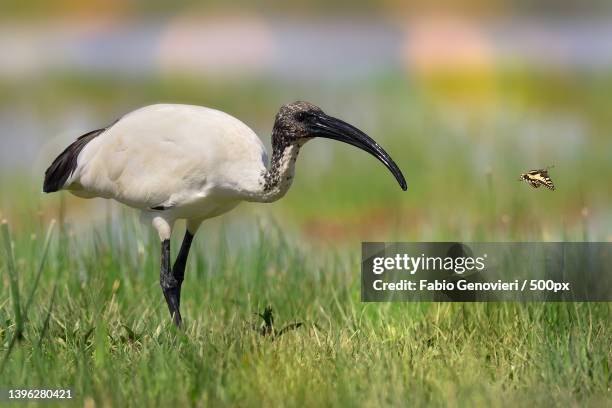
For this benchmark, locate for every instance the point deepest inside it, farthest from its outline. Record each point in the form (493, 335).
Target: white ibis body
(194, 163)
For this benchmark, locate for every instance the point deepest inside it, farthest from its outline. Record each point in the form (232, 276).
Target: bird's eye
(300, 116)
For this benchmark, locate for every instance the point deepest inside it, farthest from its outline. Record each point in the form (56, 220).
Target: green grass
(106, 332)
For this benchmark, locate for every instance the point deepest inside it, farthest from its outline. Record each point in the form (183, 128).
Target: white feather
(199, 161)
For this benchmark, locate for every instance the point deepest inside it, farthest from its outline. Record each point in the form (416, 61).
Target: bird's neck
(277, 179)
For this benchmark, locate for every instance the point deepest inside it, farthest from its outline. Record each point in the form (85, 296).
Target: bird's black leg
(169, 284)
(178, 270)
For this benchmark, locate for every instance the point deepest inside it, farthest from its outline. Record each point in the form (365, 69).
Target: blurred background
(464, 98)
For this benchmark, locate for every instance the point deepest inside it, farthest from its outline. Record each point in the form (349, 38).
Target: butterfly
(537, 178)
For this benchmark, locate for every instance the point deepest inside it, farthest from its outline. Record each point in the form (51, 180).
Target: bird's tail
(64, 165)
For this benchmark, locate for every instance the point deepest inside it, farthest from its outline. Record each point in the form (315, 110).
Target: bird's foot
(173, 299)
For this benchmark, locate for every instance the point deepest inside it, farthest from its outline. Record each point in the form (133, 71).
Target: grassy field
(96, 321)
(97, 324)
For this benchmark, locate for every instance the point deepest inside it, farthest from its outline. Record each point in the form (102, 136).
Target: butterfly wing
(542, 177)
(533, 183)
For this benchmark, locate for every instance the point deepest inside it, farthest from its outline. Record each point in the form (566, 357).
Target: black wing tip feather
(64, 165)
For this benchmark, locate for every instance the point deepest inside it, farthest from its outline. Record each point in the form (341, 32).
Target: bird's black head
(291, 124)
(298, 122)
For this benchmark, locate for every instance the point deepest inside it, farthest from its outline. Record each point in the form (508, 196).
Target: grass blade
(45, 327)
(14, 284)
(8, 353)
(40, 269)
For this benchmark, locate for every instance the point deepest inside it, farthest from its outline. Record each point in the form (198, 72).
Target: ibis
(174, 161)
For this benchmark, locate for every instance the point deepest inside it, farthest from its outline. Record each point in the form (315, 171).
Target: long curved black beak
(322, 125)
